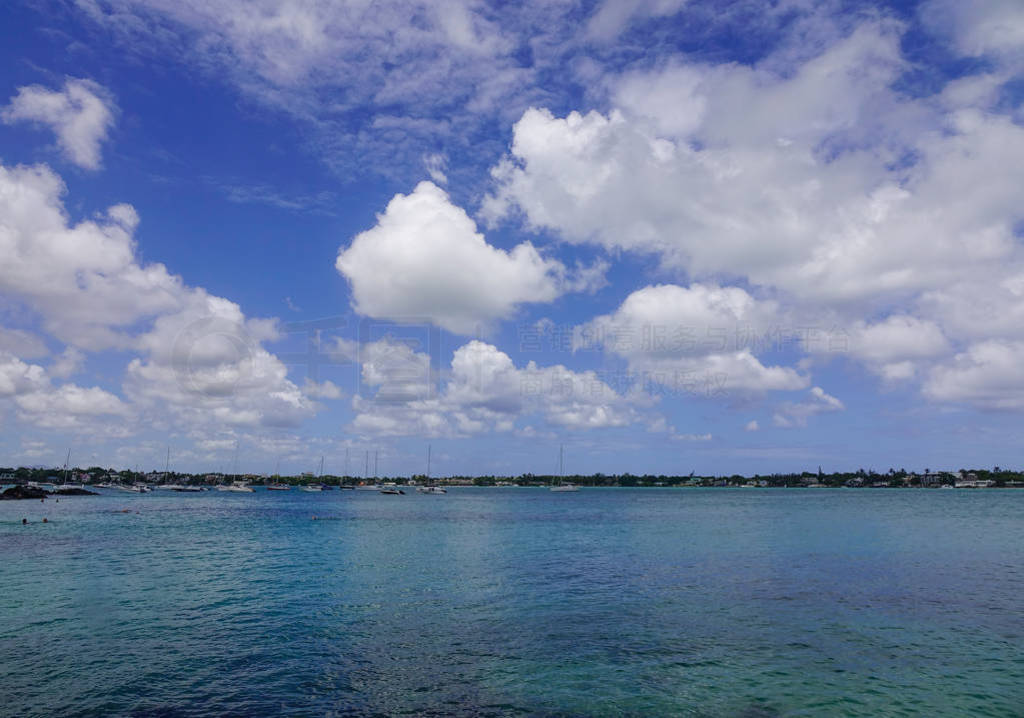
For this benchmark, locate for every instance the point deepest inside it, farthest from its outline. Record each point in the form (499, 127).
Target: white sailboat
(430, 488)
(366, 474)
(278, 486)
(563, 487)
(240, 487)
(317, 487)
(66, 485)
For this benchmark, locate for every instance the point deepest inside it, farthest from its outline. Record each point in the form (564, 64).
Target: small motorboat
(560, 488)
(237, 487)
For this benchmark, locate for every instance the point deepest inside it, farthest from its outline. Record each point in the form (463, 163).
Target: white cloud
(68, 405)
(425, 260)
(613, 16)
(199, 360)
(898, 337)
(435, 165)
(42, 404)
(988, 375)
(483, 391)
(792, 415)
(895, 347)
(82, 278)
(696, 340)
(17, 377)
(69, 362)
(752, 425)
(22, 343)
(206, 365)
(890, 217)
(684, 174)
(990, 27)
(691, 437)
(322, 390)
(745, 203)
(81, 115)
(326, 63)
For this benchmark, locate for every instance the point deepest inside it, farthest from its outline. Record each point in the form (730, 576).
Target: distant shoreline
(88, 478)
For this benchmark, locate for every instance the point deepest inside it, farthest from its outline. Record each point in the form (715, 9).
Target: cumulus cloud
(206, 365)
(894, 219)
(69, 362)
(22, 344)
(68, 405)
(17, 377)
(41, 403)
(680, 172)
(697, 340)
(483, 391)
(425, 260)
(198, 358)
(796, 414)
(80, 114)
(895, 348)
(988, 375)
(82, 278)
(994, 27)
(322, 390)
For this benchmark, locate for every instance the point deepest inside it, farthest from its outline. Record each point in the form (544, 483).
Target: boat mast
(346, 463)
(376, 455)
(321, 472)
(428, 462)
(67, 460)
(561, 453)
(366, 466)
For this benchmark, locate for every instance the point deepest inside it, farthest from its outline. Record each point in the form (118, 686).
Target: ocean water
(517, 601)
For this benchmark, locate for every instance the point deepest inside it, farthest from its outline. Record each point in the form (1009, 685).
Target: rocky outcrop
(32, 492)
(22, 492)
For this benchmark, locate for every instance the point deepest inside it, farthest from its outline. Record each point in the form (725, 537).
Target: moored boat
(237, 487)
(561, 487)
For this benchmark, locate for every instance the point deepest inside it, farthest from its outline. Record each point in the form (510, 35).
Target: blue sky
(671, 236)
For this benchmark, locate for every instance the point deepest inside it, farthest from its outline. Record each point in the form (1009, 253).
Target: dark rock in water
(22, 492)
(75, 492)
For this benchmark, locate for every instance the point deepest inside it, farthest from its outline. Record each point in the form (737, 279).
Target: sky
(670, 236)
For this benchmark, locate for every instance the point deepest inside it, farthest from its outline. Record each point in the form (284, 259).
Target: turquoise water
(697, 602)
